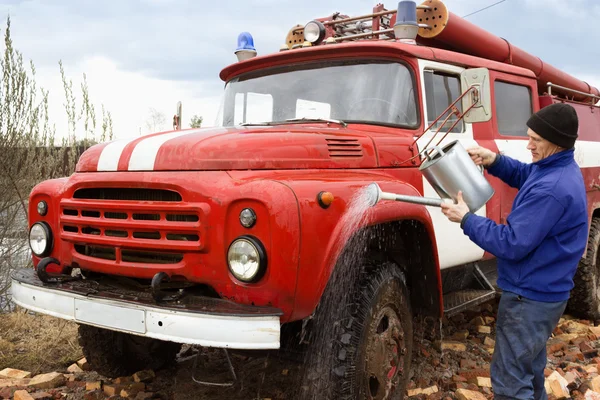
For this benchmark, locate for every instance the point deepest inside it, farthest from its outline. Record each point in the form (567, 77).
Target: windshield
(377, 92)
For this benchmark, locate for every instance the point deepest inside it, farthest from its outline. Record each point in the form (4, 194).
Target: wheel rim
(384, 359)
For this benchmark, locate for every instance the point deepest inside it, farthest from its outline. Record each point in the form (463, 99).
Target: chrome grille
(122, 230)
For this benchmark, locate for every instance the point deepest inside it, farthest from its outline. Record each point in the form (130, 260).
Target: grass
(37, 343)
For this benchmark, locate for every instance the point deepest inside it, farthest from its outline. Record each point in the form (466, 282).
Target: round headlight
(314, 32)
(247, 218)
(42, 208)
(247, 259)
(40, 239)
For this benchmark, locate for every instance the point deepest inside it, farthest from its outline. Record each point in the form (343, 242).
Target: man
(538, 249)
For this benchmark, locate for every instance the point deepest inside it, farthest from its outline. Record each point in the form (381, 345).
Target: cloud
(152, 53)
(128, 96)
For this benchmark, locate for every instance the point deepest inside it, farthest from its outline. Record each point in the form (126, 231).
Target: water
(357, 214)
(332, 319)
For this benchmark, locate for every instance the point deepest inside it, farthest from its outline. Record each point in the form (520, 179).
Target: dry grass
(37, 343)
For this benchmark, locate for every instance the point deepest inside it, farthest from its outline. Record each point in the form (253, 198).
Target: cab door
(440, 86)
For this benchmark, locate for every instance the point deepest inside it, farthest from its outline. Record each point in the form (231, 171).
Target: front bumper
(198, 320)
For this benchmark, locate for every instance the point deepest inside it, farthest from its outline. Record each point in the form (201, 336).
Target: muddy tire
(585, 296)
(115, 354)
(361, 348)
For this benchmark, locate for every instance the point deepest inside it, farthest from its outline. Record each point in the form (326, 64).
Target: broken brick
(112, 389)
(463, 394)
(555, 345)
(83, 364)
(9, 373)
(123, 380)
(90, 386)
(450, 345)
(22, 395)
(484, 329)
(47, 381)
(74, 369)
(144, 376)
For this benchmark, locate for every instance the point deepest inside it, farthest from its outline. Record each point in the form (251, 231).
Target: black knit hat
(557, 123)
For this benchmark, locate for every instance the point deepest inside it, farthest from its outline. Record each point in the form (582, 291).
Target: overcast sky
(142, 54)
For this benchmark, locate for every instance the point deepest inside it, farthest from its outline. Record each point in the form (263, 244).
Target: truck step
(461, 300)
(466, 287)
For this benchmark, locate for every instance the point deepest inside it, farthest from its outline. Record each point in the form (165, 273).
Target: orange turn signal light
(325, 199)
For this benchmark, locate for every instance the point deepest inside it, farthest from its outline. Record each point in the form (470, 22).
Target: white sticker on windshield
(312, 109)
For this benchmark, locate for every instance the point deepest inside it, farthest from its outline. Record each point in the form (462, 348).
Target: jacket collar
(557, 160)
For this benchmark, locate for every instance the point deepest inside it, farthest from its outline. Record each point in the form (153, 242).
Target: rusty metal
(130, 291)
(386, 348)
(568, 90)
(206, 383)
(160, 295)
(45, 277)
(367, 16)
(361, 35)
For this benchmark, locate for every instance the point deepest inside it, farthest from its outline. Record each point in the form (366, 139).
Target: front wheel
(362, 349)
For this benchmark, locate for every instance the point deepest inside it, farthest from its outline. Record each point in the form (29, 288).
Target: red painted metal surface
(368, 50)
(323, 233)
(214, 196)
(279, 171)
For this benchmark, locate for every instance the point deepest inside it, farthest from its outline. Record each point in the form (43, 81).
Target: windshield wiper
(296, 121)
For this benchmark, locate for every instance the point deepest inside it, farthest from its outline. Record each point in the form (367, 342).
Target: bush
(29, 153)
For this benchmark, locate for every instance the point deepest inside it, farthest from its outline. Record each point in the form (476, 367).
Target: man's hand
(455, 212)
(482, 156)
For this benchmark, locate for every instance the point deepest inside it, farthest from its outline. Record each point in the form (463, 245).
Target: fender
(315, 271)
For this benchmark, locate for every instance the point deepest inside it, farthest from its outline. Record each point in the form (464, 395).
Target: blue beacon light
(406, 28)
(245, 47)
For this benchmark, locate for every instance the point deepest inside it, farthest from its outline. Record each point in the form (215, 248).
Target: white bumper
(226, 331)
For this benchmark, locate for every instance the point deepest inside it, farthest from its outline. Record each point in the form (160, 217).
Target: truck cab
(253, 234)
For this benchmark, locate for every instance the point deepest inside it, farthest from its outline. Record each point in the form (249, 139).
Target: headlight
(40, 239)
(42, 208)
(247, 218)
(247, 259)
(314, 32)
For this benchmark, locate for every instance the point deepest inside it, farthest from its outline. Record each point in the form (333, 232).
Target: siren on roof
(245, 47)
(406, 28)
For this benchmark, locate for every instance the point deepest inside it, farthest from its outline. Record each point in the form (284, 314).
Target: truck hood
(238, 148)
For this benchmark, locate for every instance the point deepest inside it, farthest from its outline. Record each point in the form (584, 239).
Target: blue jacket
(545, 235)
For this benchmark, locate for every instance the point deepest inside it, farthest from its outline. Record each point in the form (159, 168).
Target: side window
(513, 108)
(441, 90)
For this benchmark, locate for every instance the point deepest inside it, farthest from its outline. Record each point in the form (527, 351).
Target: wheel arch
(410, 245)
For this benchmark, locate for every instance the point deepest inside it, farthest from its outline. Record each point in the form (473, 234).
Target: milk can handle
(436, 148)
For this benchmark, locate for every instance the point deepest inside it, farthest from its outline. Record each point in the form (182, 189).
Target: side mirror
(479, 78)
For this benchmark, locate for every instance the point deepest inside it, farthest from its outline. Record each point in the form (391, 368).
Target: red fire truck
(239, 236)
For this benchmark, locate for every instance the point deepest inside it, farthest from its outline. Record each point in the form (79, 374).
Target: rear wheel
(362, 348)
(585, 296)
(115, 354)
